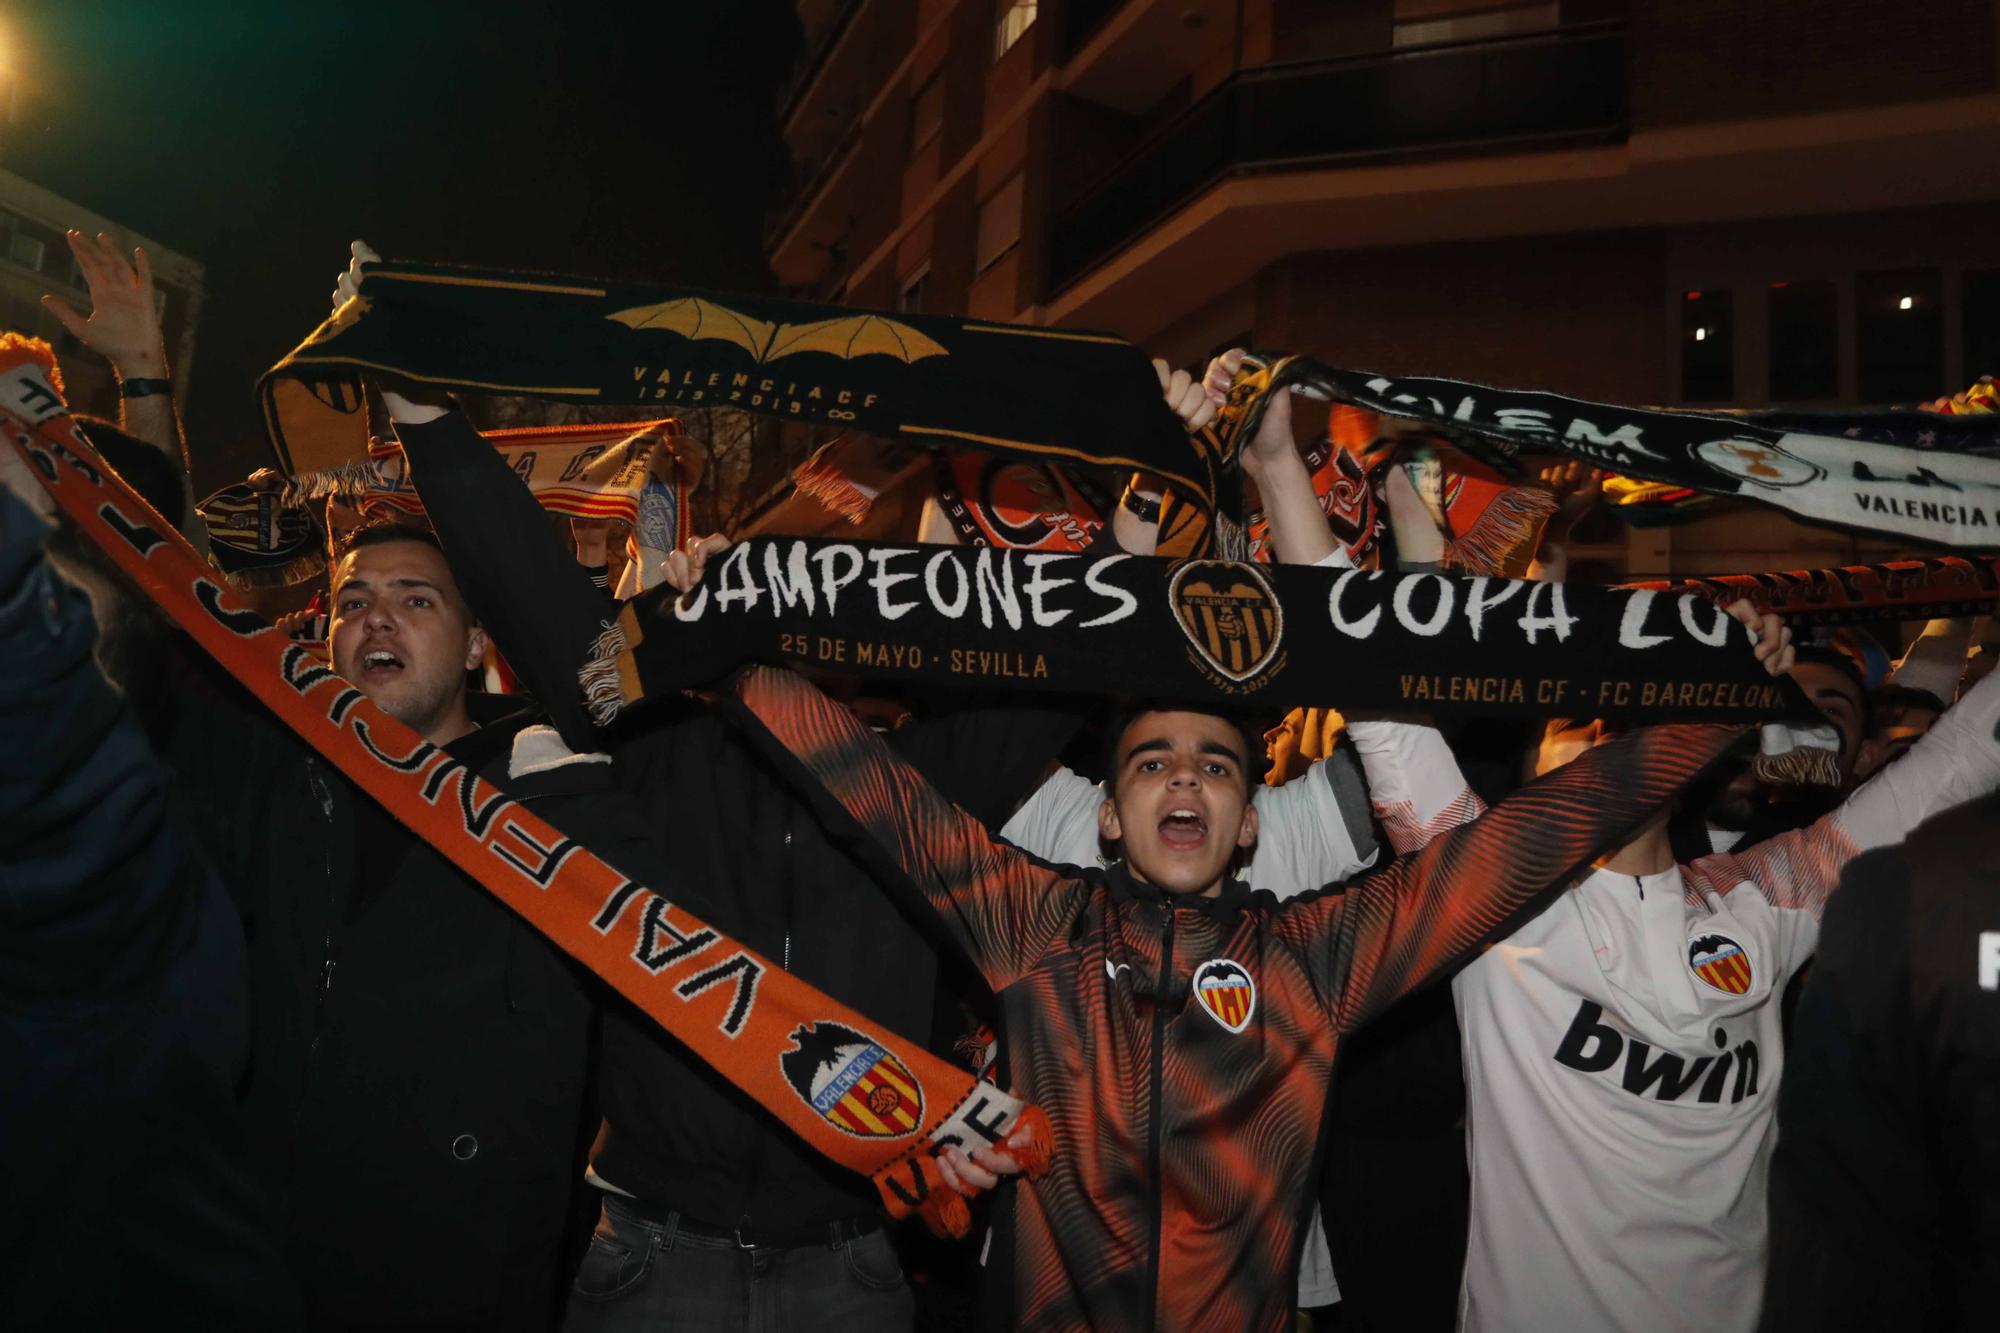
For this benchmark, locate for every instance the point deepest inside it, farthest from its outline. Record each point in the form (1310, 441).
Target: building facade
(1699, 202)
(35, 260)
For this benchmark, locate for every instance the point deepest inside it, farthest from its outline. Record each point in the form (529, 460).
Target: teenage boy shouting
(1178, 1028)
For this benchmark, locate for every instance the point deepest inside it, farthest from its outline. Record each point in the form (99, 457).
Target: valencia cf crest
(1225, 989)
(1721, 962)
(853, 1082)
(1232, 620)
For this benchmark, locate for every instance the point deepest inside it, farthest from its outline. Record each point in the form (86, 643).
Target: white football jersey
(1622, 1051)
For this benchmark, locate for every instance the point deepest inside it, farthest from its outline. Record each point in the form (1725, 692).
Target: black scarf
(1045, 395)
(1916, 475)
(1206, 632)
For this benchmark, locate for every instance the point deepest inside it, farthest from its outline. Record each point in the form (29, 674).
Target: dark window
(1899, 335)
(910, 296)
(1981, 307)
(1708, 347)
(999, 225)
(1805, 341)
(927, 113)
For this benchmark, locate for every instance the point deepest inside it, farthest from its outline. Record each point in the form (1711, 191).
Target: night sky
(259, 137)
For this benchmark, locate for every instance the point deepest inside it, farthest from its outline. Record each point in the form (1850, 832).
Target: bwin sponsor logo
(1593, 1046)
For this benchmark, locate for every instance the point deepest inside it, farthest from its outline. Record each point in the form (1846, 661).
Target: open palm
(123, 325)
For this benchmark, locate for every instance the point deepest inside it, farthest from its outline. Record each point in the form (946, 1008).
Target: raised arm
(123, 327)
(1397, 929)
(1958, 760)
(535, 601)
(1002, 907)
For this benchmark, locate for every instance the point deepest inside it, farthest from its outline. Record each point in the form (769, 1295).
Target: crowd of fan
(273, 1062)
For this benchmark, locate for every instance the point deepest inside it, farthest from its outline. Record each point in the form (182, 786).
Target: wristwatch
(138, 387)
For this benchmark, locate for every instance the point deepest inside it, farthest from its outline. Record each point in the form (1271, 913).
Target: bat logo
(852, 1082)
(1758, 463)
(1225, 989)
(1230, 616)
(1721, 962)
(847, 337)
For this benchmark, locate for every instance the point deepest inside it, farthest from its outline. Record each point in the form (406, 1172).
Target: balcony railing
(813, 52)
(792, 204)
(1549, 90)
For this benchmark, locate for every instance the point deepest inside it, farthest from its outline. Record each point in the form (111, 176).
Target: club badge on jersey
(1224, 988)
(853, 1082)
(1721, 962)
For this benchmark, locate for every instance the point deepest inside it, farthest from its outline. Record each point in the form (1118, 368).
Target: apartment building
(1699, 202)
(35, 259)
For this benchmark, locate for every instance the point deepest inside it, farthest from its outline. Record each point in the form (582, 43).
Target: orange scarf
(865, 1097)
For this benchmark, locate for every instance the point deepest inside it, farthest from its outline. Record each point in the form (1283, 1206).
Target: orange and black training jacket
(1182, 1048)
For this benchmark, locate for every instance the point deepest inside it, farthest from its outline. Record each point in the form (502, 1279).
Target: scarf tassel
(602, 677)
(822, 478)
(350, 481)
(1503, 539)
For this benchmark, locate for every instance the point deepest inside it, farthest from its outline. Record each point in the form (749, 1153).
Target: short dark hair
(1821, 655)
(1891, 703)
(381, 531)
(1123, 716)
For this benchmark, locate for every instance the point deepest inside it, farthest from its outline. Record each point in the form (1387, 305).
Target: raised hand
(123, 325)
(409, 404)
(348, 284)
(1273, 441)
(1190, 401)
(1774, 637)
(1578, 487)
(684, 567)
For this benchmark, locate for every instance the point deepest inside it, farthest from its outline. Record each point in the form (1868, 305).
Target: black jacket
(736, 842)
(419, 1055)
(125, 1201)
(1885, 1185)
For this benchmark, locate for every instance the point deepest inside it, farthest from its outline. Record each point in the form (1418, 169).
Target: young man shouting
(1178, 1028)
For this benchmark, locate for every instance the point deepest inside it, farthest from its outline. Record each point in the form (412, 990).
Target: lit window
(1708, 348)
(1430, 22)
(999, 224)
(1899, 336)
(1016, 17)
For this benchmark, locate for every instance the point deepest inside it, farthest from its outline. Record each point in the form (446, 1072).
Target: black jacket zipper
(325, 796)
(1162, 991)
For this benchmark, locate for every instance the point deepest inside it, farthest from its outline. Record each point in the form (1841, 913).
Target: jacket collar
(1225, 907)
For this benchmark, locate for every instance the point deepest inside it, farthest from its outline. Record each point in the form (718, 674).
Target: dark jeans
(653, 1276)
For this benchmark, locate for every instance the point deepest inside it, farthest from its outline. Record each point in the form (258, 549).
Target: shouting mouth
(1183, 830)
(380, 664)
